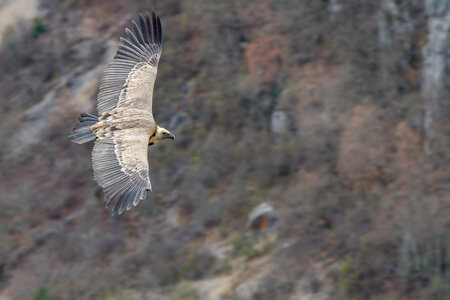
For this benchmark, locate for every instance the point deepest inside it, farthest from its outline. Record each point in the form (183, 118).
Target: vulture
(125, 127)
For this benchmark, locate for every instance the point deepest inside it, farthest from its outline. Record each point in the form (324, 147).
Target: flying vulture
(125, 128)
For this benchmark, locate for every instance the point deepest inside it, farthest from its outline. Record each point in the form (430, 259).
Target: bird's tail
(82, 131)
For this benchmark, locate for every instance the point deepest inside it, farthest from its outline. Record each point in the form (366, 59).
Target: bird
(125, 128)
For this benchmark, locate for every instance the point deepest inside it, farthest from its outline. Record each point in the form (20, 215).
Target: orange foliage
(265, 58)
(409, 154)
(364, 150)
(409, 164)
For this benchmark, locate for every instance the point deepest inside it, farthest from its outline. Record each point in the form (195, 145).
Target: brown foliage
(266, 57)
(364, 150)
(409, 155)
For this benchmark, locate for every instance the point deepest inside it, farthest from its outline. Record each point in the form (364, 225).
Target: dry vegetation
(350, 175)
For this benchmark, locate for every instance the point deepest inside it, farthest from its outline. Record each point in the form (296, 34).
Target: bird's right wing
(129, 79)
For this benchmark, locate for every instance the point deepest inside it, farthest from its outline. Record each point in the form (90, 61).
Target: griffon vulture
(125, 128)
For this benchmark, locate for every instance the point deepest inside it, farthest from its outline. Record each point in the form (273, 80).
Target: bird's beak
(171, 136)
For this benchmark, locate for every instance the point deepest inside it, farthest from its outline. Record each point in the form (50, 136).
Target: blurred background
(311, 160)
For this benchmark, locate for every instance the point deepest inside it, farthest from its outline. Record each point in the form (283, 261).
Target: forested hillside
(335, 113)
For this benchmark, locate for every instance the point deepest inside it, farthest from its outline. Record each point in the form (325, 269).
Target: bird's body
(125, 126)
(121, 120)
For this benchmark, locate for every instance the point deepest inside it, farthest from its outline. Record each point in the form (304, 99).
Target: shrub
(39, 27)
(43, 294)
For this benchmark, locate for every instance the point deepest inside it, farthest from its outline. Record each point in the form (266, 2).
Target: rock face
(13, 10)
(36, 120)
(279, 122)
(262, 217)
(334, 7)
(395, 25)
(436, 80)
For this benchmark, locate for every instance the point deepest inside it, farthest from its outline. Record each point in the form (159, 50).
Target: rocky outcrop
(36, 121)
(13, 10)
(73, 90)
(334, 6)
(436, 66)
(279, 122)
(396, 52)
(262, 217)
(394, 25)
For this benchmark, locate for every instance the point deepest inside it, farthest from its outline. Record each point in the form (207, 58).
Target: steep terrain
(335, 113)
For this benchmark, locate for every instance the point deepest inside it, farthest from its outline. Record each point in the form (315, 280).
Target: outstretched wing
(129, 79)
(120, 166)
(119, 159)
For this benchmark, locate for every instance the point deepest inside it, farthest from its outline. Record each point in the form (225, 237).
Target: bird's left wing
(120, 166)
(129, 79)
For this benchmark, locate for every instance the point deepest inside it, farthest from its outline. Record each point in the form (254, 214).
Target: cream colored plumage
(125, 126)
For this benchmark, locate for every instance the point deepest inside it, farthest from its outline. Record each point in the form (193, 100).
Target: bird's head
(161, 134)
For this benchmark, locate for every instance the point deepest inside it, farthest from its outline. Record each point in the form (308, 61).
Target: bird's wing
(129, 79)
(120, 166)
